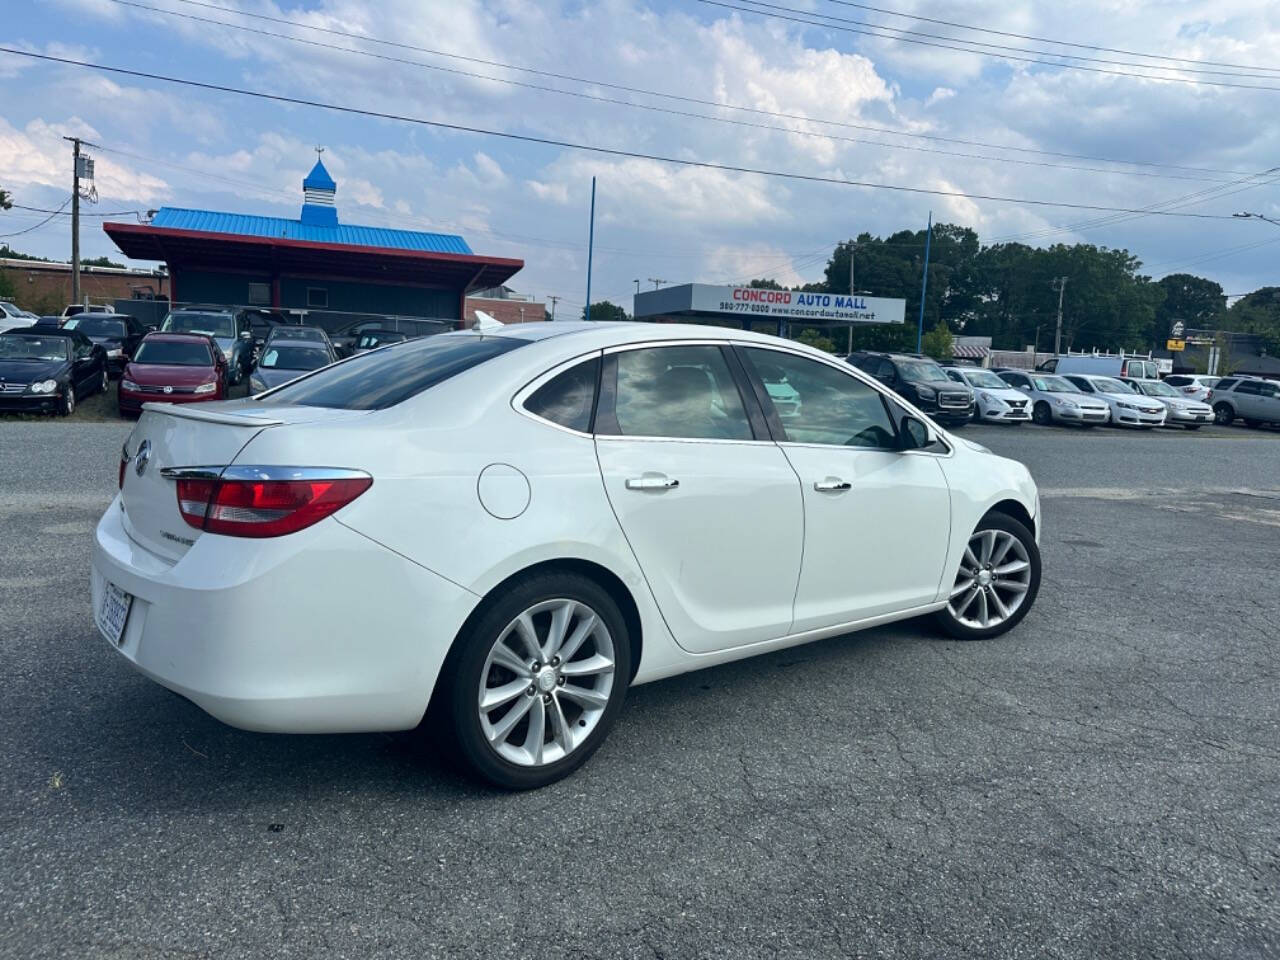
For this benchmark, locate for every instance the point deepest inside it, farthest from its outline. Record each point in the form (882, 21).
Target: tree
(7, 292)
(1257, 312)
(1195, 301)
(766, 284)
(6, 202)
(813, 337)
(100, 262)
(938, 342)
(604, 310)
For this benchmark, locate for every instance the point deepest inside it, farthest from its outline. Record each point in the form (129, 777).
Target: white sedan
(499, 533)
(1129, 408)
(993, 399)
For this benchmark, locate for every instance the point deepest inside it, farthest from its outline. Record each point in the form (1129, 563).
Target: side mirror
(915, 433)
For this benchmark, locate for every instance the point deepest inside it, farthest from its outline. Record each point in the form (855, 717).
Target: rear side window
(683, 391)
(382, 378)
(1247, 386)
(567, 399)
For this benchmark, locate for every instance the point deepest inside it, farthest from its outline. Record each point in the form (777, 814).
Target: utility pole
(591, 243)
(1060, 284)
(924, 283)
(637, 283)
(81, 167)
(554, 300)
(656, 281)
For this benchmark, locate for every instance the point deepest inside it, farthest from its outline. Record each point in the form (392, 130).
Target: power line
(595, 82)
(652, 107)
(589, 148)
(38, 225)
(912, 37)
(111, 213)
(1061, 43)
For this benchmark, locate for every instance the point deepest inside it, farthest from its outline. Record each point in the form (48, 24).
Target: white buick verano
(504, 531)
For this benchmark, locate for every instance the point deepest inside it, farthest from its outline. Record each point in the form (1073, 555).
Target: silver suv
(1252, 399)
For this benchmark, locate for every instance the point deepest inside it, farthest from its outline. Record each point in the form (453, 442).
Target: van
(1136, 368)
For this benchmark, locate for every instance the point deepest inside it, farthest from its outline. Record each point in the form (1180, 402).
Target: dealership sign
(795, 305)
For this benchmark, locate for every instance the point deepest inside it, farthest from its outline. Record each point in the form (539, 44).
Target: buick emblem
(144, 455)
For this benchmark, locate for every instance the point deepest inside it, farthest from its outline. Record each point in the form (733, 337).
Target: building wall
(45, 288)
(505, 310)
(341, 296)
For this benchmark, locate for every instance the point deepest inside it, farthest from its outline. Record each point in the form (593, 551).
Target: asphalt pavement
(1104, 781)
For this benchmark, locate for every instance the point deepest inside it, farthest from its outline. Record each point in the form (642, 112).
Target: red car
(173, 368)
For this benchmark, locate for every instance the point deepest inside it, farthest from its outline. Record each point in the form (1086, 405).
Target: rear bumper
(131, 402)
(322, 631)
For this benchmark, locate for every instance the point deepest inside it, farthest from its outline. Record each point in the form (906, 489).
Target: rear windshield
(177, 353)
(92, 326)
(296, 333)
(383, 378)
(192, 321)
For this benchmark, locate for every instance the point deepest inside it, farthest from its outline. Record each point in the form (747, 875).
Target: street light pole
(1061, 284)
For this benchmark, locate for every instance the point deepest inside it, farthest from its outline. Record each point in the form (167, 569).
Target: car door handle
(831, 485)
(652, 481)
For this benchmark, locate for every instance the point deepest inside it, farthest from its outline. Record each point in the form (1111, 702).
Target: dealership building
(334, 271)
(754, 308)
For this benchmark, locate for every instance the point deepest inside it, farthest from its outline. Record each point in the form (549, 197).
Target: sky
(718, 85)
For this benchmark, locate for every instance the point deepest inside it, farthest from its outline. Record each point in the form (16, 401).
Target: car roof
(179, 337)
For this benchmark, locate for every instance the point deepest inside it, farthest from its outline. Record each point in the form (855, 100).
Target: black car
(922, 382)
(49, 370)
(371, 339)
(117, 333)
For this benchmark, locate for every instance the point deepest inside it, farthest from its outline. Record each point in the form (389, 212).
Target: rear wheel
(1223, 414)
(534, 685)
(1041, 414)
(997, 582)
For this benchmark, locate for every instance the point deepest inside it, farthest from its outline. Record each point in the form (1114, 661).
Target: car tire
(67, 405)
(1041, 414)
(996, 538)
(105, 383)
(474, 738)
(1223, 415)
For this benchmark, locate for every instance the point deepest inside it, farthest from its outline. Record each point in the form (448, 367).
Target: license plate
(113, 611)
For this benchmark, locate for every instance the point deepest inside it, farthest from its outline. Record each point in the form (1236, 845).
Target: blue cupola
(318, 190)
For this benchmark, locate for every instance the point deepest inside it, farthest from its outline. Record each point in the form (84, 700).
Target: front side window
(830, 406)
(1224, 384)
(567, 399)
(681, 392)
(382, 378)
(1084, 385)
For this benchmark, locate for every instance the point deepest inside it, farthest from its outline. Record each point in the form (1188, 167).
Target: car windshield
(33, 348)
(191, 321)
(922, 371)
(985, 378)
(295, 333)
(1054, 385)
(92, 326)
(295, 357)
(1157, 388)
(177, 353)
(1111, 385)
(383, 378)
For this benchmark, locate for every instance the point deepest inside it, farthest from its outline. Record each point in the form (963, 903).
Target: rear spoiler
(192, 412)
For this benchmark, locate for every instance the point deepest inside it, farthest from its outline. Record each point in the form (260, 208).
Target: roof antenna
(485, 323)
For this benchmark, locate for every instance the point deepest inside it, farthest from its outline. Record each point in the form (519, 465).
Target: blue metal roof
(319, 179)
(213, 221)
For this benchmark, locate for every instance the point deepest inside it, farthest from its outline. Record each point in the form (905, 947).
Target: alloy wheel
(69, 401)
(546, 682)
(1040, 414)
(993, 579)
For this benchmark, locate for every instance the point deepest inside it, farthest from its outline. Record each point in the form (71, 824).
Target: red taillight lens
(1209, 395)
(264, 508)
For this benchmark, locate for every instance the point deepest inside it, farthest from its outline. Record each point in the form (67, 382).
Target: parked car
(921, 382)
(46, 322)
(13, 317)
(284, 360)
(1197, 386)
(993, 399)
(173, 368)
(1128, 407)
(1252, 399)
(344, 340)
(1056, 400)
(297, 332)
(229, 328)
(117, 333)
(367, 533)
(1107, 365)
(75, 309)
(372, 339)
(49, 371)
(1180, 410)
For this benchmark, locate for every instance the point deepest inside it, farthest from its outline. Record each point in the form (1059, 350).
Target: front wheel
(68, 405)
(105, 383)
(997, 582)
(535, 683)
(1041, 414)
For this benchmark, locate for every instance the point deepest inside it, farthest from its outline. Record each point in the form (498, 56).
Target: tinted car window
(33, 348)
(294, 356)
(92, 326)
(830, 407)
(1179, 381)
(192, 321)
(1246, 386)
(921, 371)
(568, 398)
(1084, 385)
(1224, 384)
(683, 392)
(175, 353)
(382, 378)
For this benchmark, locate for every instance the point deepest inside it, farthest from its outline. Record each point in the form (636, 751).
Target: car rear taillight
(257, 506)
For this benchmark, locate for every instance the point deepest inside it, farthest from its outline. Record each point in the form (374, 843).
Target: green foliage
(1259, 313)
(100, 262)
(8, 253)
(763, 284)
(7, 290)
(604, 310)
(6, 202)
(938, 342)
(1195, 301)
(814, 338)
